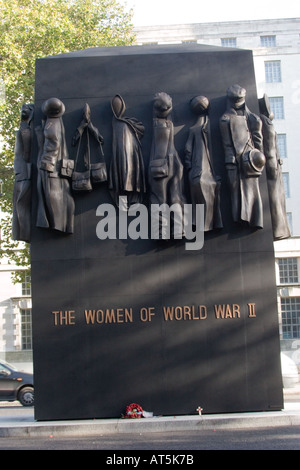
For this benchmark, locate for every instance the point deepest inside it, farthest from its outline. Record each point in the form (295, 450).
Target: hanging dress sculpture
(274, 174)
(127, 174)
(165, 168)
(204, 185)
(55, 202)
(241, 132)
(21, 222)
(89, 146)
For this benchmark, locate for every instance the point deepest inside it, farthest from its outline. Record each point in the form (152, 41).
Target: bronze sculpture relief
(241, 132)
(274, 174)
(127, 174)
(204, 184)
(165, 167)
(21, 222)
(55, 201)
(89, 143)
(246, 139)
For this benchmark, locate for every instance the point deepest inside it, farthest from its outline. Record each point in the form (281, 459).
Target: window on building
(286, 184)
(26, 329)
(273, 71)
(26, 286)
(228, 42)
(288, 270)
(277, 108)
(290, 312)
(189, 41)
(290, 221)
(281, 142)
(268, 41)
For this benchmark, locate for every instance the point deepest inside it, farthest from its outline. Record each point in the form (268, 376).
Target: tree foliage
(30, 29)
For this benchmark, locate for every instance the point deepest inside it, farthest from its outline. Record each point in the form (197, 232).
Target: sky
(164, 12)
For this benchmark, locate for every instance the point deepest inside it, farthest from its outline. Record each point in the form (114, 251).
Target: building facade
(276, 55)
(15, 318)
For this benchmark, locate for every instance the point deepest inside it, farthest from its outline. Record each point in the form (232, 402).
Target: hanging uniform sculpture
(55, 201)
(165, 167)
(241, 132)
(204, 184)
(21, 223)
(127, 173)
(274, 174)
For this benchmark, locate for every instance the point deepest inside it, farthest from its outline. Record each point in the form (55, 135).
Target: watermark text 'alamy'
(166, 222)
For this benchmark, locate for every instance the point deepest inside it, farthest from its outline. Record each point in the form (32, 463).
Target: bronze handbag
(81, 180)
(98, 172)
(48, 163)
(67, 167)
(98, 169)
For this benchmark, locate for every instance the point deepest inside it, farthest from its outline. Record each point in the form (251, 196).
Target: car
(16, 385)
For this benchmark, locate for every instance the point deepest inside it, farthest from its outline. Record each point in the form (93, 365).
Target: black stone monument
(117, 321)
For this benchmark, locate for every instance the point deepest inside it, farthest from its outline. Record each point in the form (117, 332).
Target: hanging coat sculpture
(21, 222)
(274, 174)
(165, 169)
(204, 185)
(127, 174)
(241, 132)
(55, 202)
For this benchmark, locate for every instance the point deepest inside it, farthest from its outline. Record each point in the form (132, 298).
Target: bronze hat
(53, 107)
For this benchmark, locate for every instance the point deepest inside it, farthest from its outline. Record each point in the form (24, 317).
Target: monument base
(118, 321)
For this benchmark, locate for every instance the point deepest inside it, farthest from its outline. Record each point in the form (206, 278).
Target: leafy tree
(30, 29)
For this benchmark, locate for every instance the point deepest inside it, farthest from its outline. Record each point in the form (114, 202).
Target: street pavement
(176, 447)
(18, 422)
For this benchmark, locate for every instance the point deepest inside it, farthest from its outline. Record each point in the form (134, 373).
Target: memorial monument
(121, 315)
